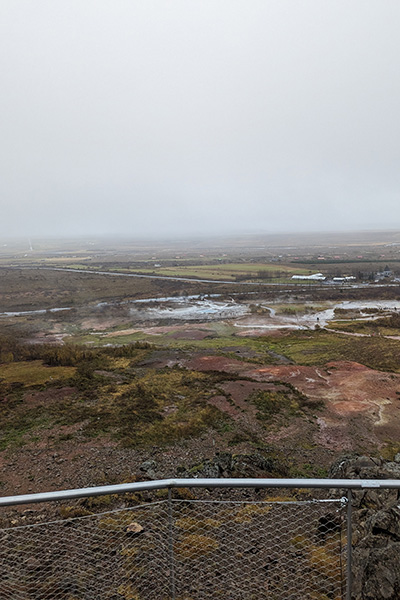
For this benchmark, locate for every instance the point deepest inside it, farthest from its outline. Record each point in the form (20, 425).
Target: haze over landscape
(199, 278)
(180, 118)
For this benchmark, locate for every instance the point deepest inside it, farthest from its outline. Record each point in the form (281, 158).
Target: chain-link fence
(278, 548)
(115, 555)
(246, 551)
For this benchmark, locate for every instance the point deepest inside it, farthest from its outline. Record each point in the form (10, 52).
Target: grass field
(230, 271)
(167, 341)
(301, 347)
(320, 347)
(34, 372)
(135, 412)
(31, 289)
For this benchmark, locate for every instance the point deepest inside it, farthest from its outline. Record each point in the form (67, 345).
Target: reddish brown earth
(190, 334)
(53, 395)
(359, 412)
(361, 405)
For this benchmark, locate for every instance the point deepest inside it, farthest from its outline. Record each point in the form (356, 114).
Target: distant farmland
(229, 271)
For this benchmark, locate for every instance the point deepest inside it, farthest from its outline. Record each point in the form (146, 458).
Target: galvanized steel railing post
(338, 484)
(349, 577)
(171, 545)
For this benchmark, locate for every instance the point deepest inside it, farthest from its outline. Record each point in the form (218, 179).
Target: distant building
(314, 277)
(343, 279)
(384, 274)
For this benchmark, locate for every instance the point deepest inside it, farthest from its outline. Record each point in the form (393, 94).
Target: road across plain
(192, 280)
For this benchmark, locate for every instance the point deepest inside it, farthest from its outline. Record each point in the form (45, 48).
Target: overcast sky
(172, 117)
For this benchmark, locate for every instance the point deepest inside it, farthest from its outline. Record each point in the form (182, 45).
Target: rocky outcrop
(222, 464)
(225, 464)
(376, 529)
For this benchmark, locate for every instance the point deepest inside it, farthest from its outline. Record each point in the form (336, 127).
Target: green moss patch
(31, 373)
(321, 347)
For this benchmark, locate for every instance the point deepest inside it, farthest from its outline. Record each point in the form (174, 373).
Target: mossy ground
(109, 396)
(321, 347)
(302, 347)
(115, 394)
(33, 373)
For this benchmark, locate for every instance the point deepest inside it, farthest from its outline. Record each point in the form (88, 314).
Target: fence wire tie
(344, 501)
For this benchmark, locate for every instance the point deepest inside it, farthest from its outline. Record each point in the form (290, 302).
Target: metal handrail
(348, 484)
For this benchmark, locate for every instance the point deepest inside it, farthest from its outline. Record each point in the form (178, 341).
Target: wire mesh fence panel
(116, 555)
(251, 551)
(181, 550)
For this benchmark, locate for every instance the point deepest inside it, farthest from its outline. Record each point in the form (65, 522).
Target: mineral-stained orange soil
(350, 408)
(361, 406)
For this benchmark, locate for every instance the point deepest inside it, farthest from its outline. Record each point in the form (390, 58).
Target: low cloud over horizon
(183, 118)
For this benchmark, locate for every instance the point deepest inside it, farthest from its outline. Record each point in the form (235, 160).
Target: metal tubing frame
(348, 484)
(171, 544)
(349, 546)
(340, 484)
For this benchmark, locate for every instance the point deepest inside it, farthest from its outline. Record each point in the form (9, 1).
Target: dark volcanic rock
(225, 464)
(376, 529)
(149, 467)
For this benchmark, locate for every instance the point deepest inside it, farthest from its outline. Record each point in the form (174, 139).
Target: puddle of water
(329, 315)
(189, 310)
(200, 308)
(276, 326)
(174, 299)
(43, 311)
(322, 318)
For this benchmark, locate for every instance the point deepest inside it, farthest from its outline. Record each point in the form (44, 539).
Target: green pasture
(228, 271)
(321, 347)
(302, 347)
(33, 372)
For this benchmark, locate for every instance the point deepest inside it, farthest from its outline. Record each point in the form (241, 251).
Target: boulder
(225, 464)
(149, 467)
